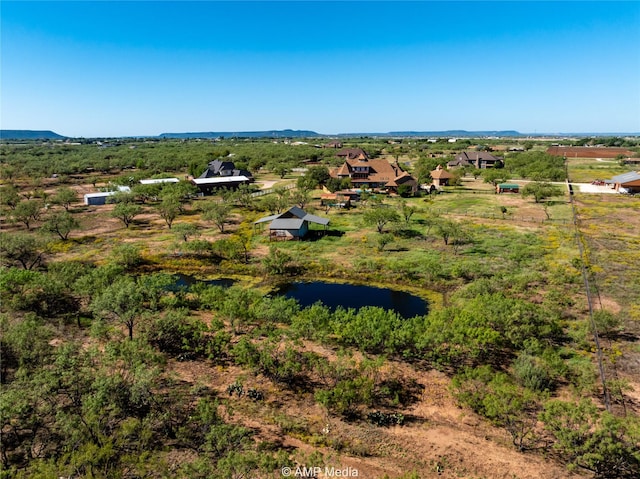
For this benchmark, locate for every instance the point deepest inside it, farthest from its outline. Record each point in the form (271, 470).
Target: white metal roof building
(155, 181)
(207, 185)
(99, 198)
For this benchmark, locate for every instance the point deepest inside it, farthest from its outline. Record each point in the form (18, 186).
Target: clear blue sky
(143, 68)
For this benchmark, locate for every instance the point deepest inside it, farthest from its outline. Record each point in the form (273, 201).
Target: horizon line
(272, 133)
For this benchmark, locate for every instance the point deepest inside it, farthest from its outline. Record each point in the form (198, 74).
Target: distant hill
(30, 135)
(245, 134)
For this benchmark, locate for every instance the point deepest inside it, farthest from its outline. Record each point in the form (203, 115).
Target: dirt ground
(440, 439)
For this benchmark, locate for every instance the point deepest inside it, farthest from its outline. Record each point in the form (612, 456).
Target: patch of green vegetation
(506, 320)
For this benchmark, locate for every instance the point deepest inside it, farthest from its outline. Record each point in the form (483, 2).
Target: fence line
(587, 287)
(499, 216)
(268, 191)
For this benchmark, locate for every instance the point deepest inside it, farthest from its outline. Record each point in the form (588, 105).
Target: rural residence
(404, 180)
(476, 159)
(219, 168)
(221, 174)
(365, 172)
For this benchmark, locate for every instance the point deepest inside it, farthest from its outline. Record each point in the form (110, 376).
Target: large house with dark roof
(365, 172)
(221, 174)
(477, 159)
(223, 168)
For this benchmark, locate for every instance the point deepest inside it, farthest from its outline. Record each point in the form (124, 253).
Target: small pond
(184, 281)
(354, 296)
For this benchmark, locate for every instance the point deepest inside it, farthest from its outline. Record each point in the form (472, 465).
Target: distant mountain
(30, 135)
(245, 134)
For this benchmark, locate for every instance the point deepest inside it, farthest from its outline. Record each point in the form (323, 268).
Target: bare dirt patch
(440, 439)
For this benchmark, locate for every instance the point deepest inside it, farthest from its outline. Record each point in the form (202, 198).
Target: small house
(441, 176)
(404, 180)
(292, 224)
(507, 188)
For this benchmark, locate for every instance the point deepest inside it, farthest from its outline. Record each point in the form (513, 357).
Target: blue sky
(143, 68)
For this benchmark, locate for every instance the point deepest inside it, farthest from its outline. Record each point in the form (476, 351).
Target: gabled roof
(267, 218)
(378, 170)
(316, 219)
(459, 162)
(353, 154)
(217, 167)
(286, 224)
(439, 173)
(293, 213)
(476, 155)
(344, 170)
(404, 178)
(625, 178)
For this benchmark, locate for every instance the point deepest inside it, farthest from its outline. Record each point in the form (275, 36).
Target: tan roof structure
(440, 173)
(441, 176)
(365, 171)
(372, 173)
(353, 154)
(404, 179)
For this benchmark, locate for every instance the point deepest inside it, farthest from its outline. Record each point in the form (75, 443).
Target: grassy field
(507, 337)
(586, 170)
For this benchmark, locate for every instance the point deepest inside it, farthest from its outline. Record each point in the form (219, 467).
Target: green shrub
(531, 373)
(175, 333)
